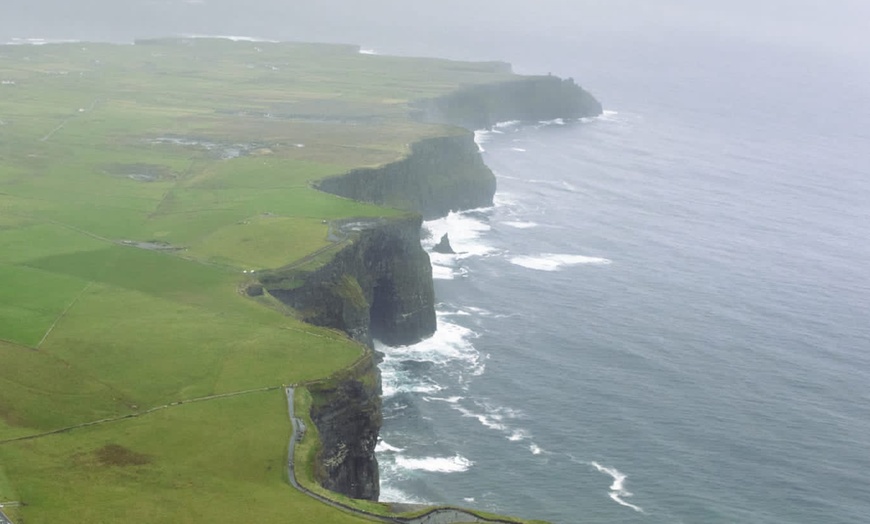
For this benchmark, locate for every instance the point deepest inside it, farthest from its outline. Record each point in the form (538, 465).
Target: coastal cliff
(526, 99)
(347, 413)
(439, 175)
(379, 284)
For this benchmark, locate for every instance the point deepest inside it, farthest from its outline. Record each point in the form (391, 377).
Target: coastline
(376, 290)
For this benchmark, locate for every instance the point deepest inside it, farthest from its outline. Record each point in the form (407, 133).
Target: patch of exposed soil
(115, 455)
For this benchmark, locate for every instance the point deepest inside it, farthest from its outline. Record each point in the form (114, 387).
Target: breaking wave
(617, 489)
(555, 262)
(454, 464)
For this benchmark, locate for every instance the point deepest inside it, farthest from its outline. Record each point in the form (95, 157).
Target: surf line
(617, 489)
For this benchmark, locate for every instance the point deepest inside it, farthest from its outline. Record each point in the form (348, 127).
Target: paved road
(4, 519)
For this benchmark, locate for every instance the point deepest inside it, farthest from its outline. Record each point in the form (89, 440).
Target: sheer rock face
(526, 99)
(379, 285)
(439, 175)
(347, 413)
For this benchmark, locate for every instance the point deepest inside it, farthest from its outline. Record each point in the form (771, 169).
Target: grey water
(663, 319)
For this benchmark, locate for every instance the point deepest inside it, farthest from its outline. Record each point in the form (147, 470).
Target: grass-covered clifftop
(140, 186)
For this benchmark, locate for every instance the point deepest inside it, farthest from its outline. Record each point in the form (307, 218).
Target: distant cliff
(439, 175)
(527, 99)
(447, 173)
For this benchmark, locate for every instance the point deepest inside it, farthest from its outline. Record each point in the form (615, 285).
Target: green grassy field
(138, 183)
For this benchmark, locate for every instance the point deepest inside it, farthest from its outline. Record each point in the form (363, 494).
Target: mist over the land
(448, 26)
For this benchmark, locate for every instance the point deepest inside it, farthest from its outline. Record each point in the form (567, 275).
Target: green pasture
(138, 186)
(217, 461)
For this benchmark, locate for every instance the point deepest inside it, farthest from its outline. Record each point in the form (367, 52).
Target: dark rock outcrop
(443, 246)
(439, 175)
(378, 286)
(347, 412)
(527, 99)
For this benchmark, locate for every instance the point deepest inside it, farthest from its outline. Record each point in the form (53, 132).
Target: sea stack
(444, 246)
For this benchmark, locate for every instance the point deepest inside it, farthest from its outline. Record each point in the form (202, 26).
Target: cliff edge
(379, 284)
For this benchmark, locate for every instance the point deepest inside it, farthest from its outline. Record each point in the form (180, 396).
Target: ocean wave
(507, 124)
(482, 136)
(454, 464)
(449, 400)
(518, 149)
(390, 493)
(40, 41)
(554, 122)
(519, 224)
(493, 417)
(617, 489)
(367, 52)
(465, 230)
(555, 262)
(450, 346)
(234, 38)
(383, 447)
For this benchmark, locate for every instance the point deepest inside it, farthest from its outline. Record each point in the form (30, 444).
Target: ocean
(664, 316)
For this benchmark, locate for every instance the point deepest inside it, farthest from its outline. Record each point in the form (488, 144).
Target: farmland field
(139, 186)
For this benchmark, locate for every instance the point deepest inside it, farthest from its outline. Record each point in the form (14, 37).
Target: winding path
(436, 516)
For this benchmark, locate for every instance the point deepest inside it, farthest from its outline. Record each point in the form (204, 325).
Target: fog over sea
(664, 316)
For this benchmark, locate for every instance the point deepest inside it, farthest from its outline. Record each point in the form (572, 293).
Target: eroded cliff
(527, 99)
(347, 412)
(379, 285)
(439, 175)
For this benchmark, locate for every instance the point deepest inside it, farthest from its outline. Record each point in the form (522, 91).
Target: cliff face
(439, 175)
(347, 413)
(527, 99)
(379, 285)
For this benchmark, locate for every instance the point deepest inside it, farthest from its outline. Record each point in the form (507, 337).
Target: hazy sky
(832, 25)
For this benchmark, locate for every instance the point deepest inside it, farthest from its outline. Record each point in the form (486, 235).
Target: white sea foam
(450, 346)
(518, 149)
(617, 489)
(535, 449)
(507, 124)
(494, 417)
(519, 224)
(39, 41)
(484, 419)
(482, 136)
(554, 122)
(367, 52)
(454, 464)
(234, 38)
(517, 435)
(383, 447)
(555, 262)
(449, 400)
(465, 230)
(391, 493)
